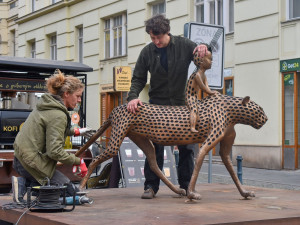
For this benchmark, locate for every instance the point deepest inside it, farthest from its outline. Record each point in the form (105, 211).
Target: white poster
(214, 36)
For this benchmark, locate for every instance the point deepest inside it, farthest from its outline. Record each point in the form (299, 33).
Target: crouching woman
(40, 143)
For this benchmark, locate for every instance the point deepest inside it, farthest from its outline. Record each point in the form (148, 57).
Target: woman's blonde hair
(58, 83)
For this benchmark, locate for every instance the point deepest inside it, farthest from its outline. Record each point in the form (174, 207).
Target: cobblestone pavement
(281, 179)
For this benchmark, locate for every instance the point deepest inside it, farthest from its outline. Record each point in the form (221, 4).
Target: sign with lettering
(212, 35)
(22, 85)
(122, 78)
(106, 88)
(133, 161)
(290, 65)
(11, 122)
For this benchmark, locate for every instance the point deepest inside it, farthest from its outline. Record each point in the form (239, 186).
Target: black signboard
(11, 122)
(133, 160)
(22, 85)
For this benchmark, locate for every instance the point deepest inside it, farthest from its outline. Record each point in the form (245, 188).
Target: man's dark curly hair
(158, 24)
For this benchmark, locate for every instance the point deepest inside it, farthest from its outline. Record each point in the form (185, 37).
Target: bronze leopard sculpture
(170, 125)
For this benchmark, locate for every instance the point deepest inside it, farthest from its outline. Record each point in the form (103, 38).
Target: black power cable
(14, 205)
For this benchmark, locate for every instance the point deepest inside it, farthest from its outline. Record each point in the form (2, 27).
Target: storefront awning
(36, 66)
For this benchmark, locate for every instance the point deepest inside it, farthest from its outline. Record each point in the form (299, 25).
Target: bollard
(239, 160)
(210, 167)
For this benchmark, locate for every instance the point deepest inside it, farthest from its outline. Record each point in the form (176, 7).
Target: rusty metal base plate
(220, 204)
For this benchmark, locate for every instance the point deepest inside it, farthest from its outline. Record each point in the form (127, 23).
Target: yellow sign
(122, 78)
(10, 128)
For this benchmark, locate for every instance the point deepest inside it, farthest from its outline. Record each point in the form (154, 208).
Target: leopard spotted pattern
(191, 97)
(197, 81)
(170, 125)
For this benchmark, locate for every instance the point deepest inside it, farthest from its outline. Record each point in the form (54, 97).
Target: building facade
(261, 55)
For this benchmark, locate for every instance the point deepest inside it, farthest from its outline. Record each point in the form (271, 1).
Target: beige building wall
(256, 73)
(62, 19)
(261, 38)
(8, 27)
(3, 28)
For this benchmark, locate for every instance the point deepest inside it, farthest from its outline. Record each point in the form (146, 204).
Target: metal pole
(209, 167)
(176, 155)
(239, 160)
(121, 170)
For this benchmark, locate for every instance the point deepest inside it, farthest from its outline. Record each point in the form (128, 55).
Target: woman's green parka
(40, 142)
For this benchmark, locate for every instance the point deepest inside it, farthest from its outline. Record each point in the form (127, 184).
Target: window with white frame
(230, 16)
(115, 36)
(107, 38)
(13, 48)
(13, 5)
(199, 6)
(159, 8)
(212, 11)
(33, 5)
(117, 30)
(80, 44)
(219, 12)
(53, 47)
(293, 9)
(33, 49)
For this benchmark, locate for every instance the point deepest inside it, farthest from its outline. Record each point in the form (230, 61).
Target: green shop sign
(290, 65)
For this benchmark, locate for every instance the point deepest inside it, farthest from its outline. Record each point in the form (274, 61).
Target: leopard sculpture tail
(98, 133)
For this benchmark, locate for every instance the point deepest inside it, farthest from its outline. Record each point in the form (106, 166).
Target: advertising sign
(133, 161)
(288, 79)
(11, 122)
(106, 88)
(22, 85)
(214, 36)
(290, 65)
(122, 78)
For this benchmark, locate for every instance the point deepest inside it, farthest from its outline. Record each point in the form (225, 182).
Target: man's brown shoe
(148, 194)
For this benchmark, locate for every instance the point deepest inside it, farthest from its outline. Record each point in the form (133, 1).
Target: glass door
(290, 120)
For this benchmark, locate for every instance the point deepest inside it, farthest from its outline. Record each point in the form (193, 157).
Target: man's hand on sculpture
(132, 106)
(202, 49)
(80, 170)
(82, 131)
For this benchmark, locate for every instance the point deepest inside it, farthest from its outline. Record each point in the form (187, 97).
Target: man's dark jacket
(166, 87)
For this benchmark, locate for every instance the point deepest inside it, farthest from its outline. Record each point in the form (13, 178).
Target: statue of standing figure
(196, 82)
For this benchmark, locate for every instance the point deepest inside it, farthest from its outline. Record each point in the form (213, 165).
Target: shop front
(114, 94)
(290, 71)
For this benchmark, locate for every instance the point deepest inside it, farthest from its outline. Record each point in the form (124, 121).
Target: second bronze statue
(197, 82)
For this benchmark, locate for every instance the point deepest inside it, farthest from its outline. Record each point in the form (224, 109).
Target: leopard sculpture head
(237, 110)
(252, 114)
